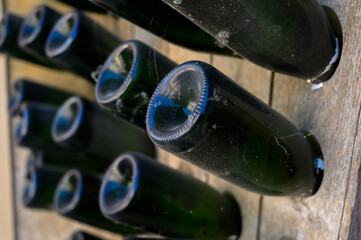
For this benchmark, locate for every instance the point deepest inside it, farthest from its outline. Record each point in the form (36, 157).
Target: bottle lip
(122, 88)
(113, 170)
(25, 40)
(22, 126)
(4, 28)
(29, 191)
(78, 235)
(52, 51)
(60, 136)
(64, 181)
(176, 134)
(17, 96)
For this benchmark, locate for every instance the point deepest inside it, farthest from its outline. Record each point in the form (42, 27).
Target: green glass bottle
(84, 5)
(200, 115)
(35, 29)
(79, 44)
(81, 235)
(10, 25)
(76, 197)
(39, 186)
(141, 192)
(156, 17)
(128, 79)
(290, 37)
(25, 90)
(82, 125)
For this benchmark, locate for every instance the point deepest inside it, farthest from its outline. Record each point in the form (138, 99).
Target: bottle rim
(4, 28)
(23, 121)
(17, 96)
(52, 51)
(131, 75)
(72, 174)
(75, 121)
(78, 235)
(186, 126)
(29, 190)
(24, 40)
(113, 172)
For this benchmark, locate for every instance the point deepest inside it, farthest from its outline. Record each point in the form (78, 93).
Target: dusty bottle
(9, 30)
(290, 37)
(156, 17)
(171, 204)
(79, 44)
(200, 115)
(35, 30)
(80, 124)
(39, 186)
(76, 197)
(128, 79)
(25, 90)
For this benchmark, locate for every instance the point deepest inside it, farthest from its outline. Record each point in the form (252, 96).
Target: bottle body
(76, 198)
(25, 90)
(35, 29)
(294, 37)
(172, 204)
(157, 17)
(39, 186)
(128, 79)
(79, 44)
(227, 131)
(80, 124)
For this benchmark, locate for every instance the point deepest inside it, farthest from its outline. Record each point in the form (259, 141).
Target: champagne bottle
(25, 90)
(81, 235)
(76, 197)
(9, 29)
(84, 5)
(39, 186)
(35, 30)
(141, 192)
(79, 44)
(290, 37)
(157, 17)
(128, 79)
(200, 115)
(82, 125)
(66, 160)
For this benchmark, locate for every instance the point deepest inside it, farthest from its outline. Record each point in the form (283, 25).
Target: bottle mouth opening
(17, 95)
(77, 236)
(30, 185)
(63, 34)
(68, 191)
(4, 28)
(177, 103)
(32, 26)
(67, 119)
(117, 73)
(119, 185)
(22, 123)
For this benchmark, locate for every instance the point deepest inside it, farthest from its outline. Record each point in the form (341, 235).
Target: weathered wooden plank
(331, 114)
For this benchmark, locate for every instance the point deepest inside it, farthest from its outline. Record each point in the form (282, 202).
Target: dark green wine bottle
(66, 160)
(25, 90)
(39, 186)
(141, 192)
(156, 17)
(84, 5)
(79, 44)
(128, 79)
(9, 29)
(76, 197)
(291, 37)
(83, 125)
(81, 235)
(35, 30)
(200, 115)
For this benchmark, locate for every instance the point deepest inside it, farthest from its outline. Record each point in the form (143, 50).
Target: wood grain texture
(331, 114)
